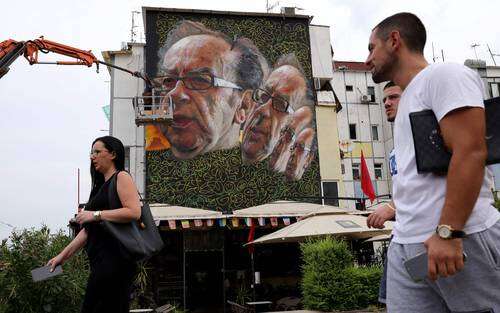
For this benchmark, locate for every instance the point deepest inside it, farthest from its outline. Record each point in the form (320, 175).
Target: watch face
(444, 232)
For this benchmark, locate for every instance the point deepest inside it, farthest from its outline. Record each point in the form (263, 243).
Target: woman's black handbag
(430, 152)
(139, 239)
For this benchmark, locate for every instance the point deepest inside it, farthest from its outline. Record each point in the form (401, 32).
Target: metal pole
(184, 269)
(492, 55)
(433, 55)
(224, 271)
(78, 190)
(253, 274)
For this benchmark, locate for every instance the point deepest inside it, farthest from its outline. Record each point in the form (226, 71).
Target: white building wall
(122, 124)
(364, 116)
(326, 115)
(321, 56)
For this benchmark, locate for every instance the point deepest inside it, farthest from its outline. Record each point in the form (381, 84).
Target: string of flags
(234, 222)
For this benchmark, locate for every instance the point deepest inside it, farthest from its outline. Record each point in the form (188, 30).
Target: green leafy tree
(31, 248)
(332, 282)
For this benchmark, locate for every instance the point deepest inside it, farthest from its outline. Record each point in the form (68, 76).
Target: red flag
(366, 182)
(251, 236)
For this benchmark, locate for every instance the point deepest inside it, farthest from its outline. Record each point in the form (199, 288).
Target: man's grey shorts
(474, 289)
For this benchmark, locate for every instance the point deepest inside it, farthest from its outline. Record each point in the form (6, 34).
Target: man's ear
(244, 108)
(395, 38)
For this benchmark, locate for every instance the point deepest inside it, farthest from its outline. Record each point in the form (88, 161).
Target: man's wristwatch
(97, 215)
(446, 232)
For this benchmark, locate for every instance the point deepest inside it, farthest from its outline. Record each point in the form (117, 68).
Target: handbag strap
(114, 198)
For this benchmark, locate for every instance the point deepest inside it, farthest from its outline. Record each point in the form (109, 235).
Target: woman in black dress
(111, 272)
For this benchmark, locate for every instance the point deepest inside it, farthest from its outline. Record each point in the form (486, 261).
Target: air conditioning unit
(364, 99)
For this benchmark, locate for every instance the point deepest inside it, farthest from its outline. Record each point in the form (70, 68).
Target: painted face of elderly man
(208, 78)
(282, 94)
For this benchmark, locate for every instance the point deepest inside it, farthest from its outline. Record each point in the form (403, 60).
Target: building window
(375, 133)
(494, 90)
(358, 192)
(349, 88)
(342, 168)
(127, 159)
(378, 170)
(371, 93)
(355, 171)
(352, 131)
(331, 192)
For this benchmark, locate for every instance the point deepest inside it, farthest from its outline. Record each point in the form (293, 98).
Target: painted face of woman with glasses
(274, 104)
(206, 106)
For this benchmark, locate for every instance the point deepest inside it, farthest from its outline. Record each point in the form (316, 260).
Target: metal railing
(153, 107)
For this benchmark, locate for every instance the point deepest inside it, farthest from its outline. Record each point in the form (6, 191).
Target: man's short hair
(251, 67)
(389, 85)
(410, 27)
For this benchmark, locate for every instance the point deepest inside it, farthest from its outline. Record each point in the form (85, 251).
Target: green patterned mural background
(218, 180)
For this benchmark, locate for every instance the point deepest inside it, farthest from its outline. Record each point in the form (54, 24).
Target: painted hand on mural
(296, 146)
(208, 78)
(282, 108)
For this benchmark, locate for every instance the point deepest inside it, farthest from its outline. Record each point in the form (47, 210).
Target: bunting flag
(274, 221)
(171, 224)
(366, 182)
(262, 221)
(198, 223)
(249, 221)
(185, 224)
(210, 222)
(251, 236)
(107, 111)
(286, 221)
(236, 222)
(222, 222)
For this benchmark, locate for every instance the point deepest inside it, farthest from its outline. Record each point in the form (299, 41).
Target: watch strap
(457, 234)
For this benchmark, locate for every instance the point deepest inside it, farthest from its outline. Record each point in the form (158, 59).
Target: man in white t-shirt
(444, 216)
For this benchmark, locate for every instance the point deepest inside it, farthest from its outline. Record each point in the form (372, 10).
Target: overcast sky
(51, 114)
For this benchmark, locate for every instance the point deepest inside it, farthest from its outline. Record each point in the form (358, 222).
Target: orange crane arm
(33, 46)
(10, 50)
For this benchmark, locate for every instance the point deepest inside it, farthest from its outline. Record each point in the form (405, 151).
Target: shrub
(332, 282)
(27, 250)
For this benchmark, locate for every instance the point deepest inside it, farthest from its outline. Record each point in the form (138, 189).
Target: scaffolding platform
(153, 109)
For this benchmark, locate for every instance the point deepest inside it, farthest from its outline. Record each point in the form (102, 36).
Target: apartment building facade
(362, 128)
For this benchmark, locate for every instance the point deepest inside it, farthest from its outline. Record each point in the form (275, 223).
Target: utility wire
(7, 224)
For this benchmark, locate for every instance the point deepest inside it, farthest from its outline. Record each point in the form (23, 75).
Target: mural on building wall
(243, 131)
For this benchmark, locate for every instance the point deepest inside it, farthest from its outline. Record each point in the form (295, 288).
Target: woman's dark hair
(113, 145)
